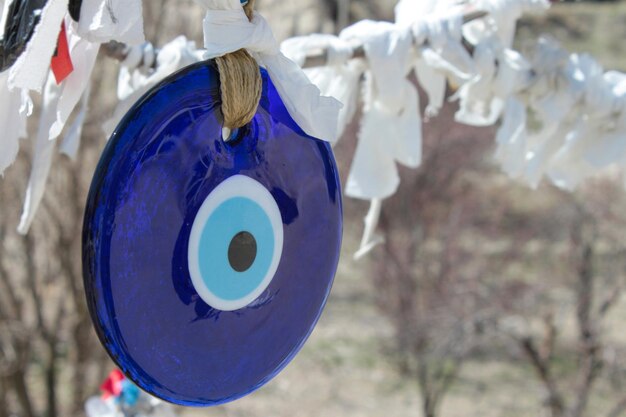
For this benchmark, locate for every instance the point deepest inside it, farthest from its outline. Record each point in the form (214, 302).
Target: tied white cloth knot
(441, 54)
(596, 140)
(391, 126)
(579, 117)
(557, 101)
(338, 51)
(135, 79)
(339, 79)
(479, 105)
(500, 73)
(227, 29)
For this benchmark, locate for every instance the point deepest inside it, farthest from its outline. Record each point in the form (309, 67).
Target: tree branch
(555, 399)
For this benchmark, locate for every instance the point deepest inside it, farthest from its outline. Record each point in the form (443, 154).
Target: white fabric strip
(31, 69)
(4, 6)
(227, 29)
(500, 74)
(391, 125)
(441, 56)
(72, 139)
(12, 121)
(102, 21)
(42, 158)
(106, 20)
(83, 54)
(580, 126)
(134, 82)
(339, 79)
(370, 239)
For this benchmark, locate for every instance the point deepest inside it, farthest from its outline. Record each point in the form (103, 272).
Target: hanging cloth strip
(554, 99)
(58, 104)
(500, 74)
(578, 121)
(593, 144)
(102, 21)
(43, 154)
(441, 54)
(15, 107)
(98, 23)
(391, 127)
(341, 76)
(596, 140)
(19, 21)
(227, 29)
(137, 74)
(30, 70)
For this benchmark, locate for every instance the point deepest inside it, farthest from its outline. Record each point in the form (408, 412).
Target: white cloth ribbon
(579, 121)
(43, 155)
(135, 79)
(391, 125)
(30, 70)
(340, 78)
(441, 55)
(102, 21)
(83, 54)
(500, 73)
(58, 104)
(391, 129)
(556, 101)
(13, 122)
(227, 29)
(71, 142)
(598, 140)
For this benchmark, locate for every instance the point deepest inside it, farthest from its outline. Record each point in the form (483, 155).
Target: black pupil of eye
(242, 251)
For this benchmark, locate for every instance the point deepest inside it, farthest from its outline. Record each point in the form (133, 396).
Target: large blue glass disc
(207, 264)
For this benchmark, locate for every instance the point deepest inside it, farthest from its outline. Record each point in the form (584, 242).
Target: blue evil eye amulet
(207, 263)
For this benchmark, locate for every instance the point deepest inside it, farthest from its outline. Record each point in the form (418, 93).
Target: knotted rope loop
(241, 83)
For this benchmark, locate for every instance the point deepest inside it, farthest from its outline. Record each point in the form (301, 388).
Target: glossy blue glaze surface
(164, 159)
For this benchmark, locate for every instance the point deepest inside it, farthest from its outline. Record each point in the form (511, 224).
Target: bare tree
(427, 273)
(591, 308)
